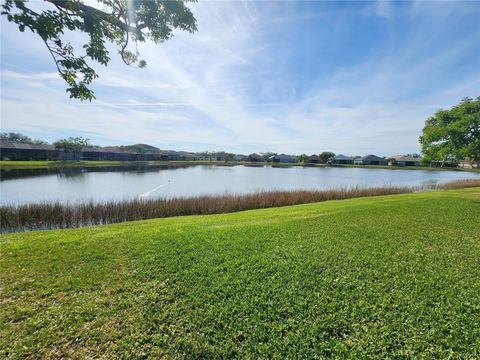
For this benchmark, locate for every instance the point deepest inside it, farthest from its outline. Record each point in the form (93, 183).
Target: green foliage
(379, 278)
(268, 154)
(454, 134)
(324, 156)
(121, 22)
(392, 161)
(229, 157)
(17, 137)
(254, 157)
(72, 144)
(301, 158)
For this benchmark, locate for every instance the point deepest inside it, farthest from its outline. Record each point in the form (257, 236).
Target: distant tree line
(448, 136)
(70, 144)
(17, 137)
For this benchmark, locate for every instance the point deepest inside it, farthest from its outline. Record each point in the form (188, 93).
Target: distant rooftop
(342, 157)
(7, 144)
(372, 157)
(406, 158)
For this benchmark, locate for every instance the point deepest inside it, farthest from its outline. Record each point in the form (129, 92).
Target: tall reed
(56, 215)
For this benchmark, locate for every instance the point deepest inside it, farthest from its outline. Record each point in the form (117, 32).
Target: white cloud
(226, 87)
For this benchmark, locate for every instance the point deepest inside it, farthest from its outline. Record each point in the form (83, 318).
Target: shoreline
(58, 215)
(17, 165)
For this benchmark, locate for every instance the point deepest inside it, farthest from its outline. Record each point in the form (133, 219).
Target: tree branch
(64, 5)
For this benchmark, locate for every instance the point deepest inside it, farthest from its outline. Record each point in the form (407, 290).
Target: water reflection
(70, 172)
(121, 182)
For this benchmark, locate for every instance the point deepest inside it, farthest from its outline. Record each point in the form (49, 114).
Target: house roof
(111, 149)
(186, 154)
(169, 153)
(314, 157)
(466, 161)
(406, 158)
(7, 144)
(282, 157)
(372, 157)
(341, 157)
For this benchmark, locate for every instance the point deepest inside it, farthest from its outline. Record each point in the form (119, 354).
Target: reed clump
(56, 215)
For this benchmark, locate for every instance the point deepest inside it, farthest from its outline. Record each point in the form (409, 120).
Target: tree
(229, 157)
(254, 157)
(454, 134)
(267, 154)
(302, 158)
(121, 22)
(17, 137)
(392, 161)
(72, 144)
(324, 156)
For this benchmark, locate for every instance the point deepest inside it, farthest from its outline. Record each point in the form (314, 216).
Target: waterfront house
(282, 158)
(240, 157)
(370, 160)
(10, 150)
(406, 160)
(204, 156)
(255, 158)
(188, 156)
(173, 155)
(340, 160)
(219, 157)
(313, 159)
(467, 164)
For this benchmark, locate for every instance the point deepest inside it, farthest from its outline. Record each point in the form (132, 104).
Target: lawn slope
(391, 276)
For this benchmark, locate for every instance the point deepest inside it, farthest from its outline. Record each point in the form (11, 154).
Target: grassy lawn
(385, 277)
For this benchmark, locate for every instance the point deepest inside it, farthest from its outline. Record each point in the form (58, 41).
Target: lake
(117, 183)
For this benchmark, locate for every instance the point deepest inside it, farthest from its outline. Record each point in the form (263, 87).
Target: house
(282, 158)
(240, 157)
(188, 156)
(340, 160)
(172, 155)
(406, 160)
(444, 163)
(370, 160)
(255, 158)
(10, 150)
(204, 156)
(468, 164)
(90, 153)
(313, 159)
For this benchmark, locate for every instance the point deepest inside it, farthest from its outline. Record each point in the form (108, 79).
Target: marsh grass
(56, 215)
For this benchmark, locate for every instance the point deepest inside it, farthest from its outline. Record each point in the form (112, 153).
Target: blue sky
(294, 77)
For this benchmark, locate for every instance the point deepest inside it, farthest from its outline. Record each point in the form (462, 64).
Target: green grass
(385, 277)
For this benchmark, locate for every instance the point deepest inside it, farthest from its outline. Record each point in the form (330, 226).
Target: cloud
(258, 76)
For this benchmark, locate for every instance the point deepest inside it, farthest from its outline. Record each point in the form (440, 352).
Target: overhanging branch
(110, 18)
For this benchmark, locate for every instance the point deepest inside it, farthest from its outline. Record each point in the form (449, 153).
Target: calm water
(76, 184)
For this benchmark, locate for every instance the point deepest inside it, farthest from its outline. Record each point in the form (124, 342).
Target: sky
(282, 76)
